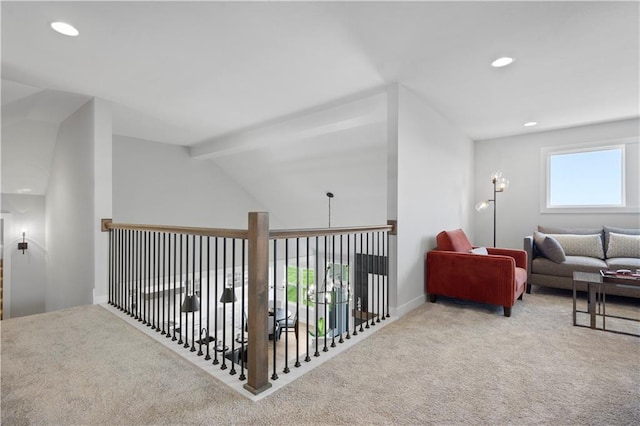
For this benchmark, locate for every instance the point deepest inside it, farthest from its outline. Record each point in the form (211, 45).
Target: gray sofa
(613, 248)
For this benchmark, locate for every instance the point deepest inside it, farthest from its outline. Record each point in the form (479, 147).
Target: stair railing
(211, 290)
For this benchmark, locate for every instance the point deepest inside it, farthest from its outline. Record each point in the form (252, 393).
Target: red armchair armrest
(520, 256)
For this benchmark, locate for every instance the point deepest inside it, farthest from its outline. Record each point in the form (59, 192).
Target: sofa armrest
(520, 256)
(528, 248)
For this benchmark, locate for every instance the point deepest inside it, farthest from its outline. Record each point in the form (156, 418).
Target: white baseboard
(99, 300)
(401, 311)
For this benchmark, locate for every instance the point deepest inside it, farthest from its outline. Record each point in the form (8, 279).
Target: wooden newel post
(258, 310)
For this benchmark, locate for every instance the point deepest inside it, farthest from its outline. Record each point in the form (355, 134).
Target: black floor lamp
(500, 184)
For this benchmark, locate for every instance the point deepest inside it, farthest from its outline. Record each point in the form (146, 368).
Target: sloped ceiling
(30, 120)
(193, 73)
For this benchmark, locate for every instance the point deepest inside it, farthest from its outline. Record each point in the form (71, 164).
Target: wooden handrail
(275, 234)
(187, 230)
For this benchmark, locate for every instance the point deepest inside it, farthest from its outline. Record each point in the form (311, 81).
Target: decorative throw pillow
(581, 245)
(549, 247)
(621, 245)
(610, 229)
(479, 250)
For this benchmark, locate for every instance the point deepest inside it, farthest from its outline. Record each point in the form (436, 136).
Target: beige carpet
(448, 363)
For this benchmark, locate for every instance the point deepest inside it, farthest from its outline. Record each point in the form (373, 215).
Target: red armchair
(498, 278)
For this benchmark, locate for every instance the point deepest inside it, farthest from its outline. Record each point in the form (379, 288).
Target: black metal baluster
(193, 290)
(130, 291)
(145, 262)
(168, 286)
(356, 284)
(378, 271)
(158, 278)
(366, 313)
(215, 301)
(297, 317)
(150, 268)
(334, 306)
(371, 287)
(136, 278)
(110, 290)
(317, 307)
(325, 301)
(175, 288)
(186, 276)
(207, 357)
(149, 282)
(342, 305)
(224, 305)
(286, 305)
(386, 269)
(158, 281)
(120, 268)
(179, 306)
(116, 263)
(140, 276)
(242, 324)
(125, 270)
(307, 358)
(152, 282)
(200, 353)
(232, 326)
(349, 296)
(164, 286)
(274, 376)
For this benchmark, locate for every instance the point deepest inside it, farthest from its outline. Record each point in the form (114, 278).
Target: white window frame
(545, 157)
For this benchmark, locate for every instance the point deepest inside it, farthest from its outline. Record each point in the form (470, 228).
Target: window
(585, 178)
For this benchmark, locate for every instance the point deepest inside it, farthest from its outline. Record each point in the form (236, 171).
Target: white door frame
(7, 232)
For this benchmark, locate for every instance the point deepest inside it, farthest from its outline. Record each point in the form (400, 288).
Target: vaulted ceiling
(190, 72)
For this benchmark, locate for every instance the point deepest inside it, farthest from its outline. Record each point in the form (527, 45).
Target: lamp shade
(228, 296)
(190, 304)
(482, 205)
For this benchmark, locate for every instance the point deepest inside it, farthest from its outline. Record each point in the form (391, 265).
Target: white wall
(75, 185)
(434, 189)
(518, 157)
(157, 183)
(28, 270)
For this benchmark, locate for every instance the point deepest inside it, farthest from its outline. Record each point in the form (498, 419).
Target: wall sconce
(500, 184)
(23, 245)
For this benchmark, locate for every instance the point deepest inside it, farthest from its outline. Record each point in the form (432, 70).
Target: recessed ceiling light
(23, 190)
(64, 28)
(502, 62)
(530, 123)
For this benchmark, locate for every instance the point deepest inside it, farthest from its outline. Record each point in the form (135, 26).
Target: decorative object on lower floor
(191, 302)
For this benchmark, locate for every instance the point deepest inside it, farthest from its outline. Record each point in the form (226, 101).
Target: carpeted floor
(447, 363)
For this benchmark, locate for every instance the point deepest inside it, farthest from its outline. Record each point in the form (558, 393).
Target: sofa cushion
(615, 263)
(549, 247)
(623, 245)
(609, 229)
(560, 230)
(453, 241)
(581, 245)
(542, 265)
